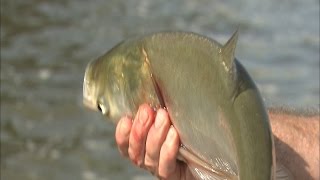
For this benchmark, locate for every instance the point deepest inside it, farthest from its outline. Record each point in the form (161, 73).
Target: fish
(212, 101)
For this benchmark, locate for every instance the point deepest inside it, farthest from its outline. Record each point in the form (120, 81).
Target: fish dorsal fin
(228, 50)
(282, 173)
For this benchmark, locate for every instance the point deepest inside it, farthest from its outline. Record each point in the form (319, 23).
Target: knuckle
(136, 135)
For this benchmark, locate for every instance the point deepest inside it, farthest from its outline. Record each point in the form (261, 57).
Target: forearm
(297, 142)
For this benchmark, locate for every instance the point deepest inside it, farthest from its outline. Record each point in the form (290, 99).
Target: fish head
(104, 87)
(93, 87)
(90, 92)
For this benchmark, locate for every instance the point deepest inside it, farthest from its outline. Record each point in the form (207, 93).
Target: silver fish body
(211, 100)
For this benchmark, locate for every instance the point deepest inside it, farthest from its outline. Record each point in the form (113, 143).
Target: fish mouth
(89, 104)
(88, 100)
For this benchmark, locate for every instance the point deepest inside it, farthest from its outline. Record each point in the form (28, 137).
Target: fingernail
(159, 119)
(143, 116)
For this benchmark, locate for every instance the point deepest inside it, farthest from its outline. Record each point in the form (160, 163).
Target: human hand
(155, 148)
(150, 142)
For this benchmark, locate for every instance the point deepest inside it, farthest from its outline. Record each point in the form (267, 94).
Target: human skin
(296, 140)
(150, 142)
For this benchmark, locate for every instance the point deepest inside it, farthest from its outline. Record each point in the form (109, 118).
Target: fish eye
(101, 106)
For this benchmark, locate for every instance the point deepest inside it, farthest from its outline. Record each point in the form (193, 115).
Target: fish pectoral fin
(282, 173)
(202, 169)
(154, 82)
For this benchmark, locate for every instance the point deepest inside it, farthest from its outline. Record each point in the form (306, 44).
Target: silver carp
(211, 100)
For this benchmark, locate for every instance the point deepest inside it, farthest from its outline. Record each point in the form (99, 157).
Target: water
(45, 45)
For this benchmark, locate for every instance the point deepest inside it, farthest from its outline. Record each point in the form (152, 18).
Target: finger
(168, 154)
(122, 135)
(140, 128)
(155, 139)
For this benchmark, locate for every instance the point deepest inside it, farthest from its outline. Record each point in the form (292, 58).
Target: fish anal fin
(282, 173)
(228, 51)
(201, 169)
(203, 174)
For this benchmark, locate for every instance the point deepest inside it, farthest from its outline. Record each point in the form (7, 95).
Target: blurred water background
(45, 45)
